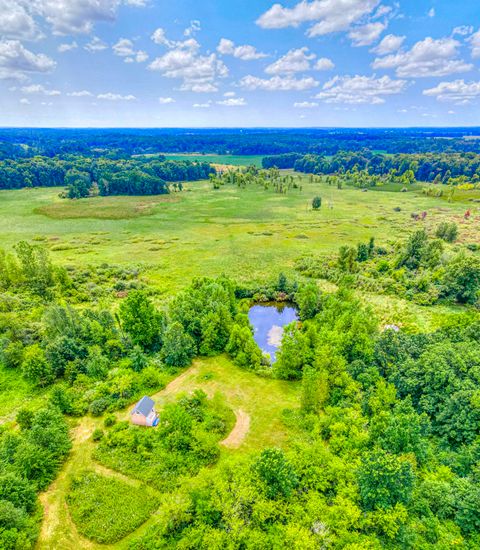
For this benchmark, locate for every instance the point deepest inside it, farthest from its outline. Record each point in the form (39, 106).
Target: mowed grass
(105, 509)
(249, 234)
(262, 399)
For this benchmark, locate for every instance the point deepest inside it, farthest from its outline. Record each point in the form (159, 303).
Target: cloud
(166, 100)
(428, 57)
(366, 34)
(474, 41)
(199, 73)
(298, 60)
(245, 52)
(125, 48)
(457, 91)
(328, 15)
(277, 83)
(193, 28)
(24, 101)
(95, 45)
(233, 102)
(463, 30)
(229, 94)
(16, 61)
(431, 12)
(206, 105)
(360, 89)
(389, 44)
(38, 89)
(67, 47)
(305, 105)
(79, 16)
(324, 64)
(81, 93)
(109, 96)
(16, 21)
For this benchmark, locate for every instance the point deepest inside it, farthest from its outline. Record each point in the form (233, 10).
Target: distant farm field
(250, 234)
(235, 160)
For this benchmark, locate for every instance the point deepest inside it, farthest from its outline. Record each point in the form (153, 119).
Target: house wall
(139, 419)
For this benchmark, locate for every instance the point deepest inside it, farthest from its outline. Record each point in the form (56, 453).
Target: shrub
(109, 421)
(97, 434)
(99, 406)
(316, 203)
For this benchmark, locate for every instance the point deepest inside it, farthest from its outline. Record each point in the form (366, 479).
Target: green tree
(275, 473)
(178, 346)
(308, 299)
(384, 480)
(462, 278)
(35, 366)
(316, 203)
(140, 319)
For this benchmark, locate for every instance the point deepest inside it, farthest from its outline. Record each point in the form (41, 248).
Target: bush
(316, 203)
(447, 231)
(99, 406)
(109, 421)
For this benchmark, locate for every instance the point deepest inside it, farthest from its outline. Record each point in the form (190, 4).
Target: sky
(239, 63)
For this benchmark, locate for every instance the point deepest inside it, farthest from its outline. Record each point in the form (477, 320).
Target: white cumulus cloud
(366, 34)
(277, 83)
(389, 44)
(299, 60)
(233, 102)
(305, 104)
(245, 52)
(457, 91)
(95, 45)
(17, 62)
(166, 100)
(39, 89)
(327, 16)
(110, 96)
(360, 89)
(429, 57)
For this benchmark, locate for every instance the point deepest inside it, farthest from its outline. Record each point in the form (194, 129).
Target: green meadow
(250, 234)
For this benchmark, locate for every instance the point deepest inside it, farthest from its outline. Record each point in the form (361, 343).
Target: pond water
(268, 321)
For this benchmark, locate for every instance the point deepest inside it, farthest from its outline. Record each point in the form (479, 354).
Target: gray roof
(144, 406)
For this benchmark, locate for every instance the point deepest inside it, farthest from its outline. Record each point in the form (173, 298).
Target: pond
(268, 321)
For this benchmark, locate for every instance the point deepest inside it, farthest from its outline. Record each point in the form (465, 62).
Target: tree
(17, 491)
(37, 270)
(243, 348)
(141, 320)
(294, 354)
(308, 298)
(276, 473)
(78, 184)
(384, 480)
(314, 390)
(35, 366)
(316, 203)
(178, 346)
(462, 278)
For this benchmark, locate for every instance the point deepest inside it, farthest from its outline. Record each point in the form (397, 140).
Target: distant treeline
(440, 167)
(112, 177)
(123, 143)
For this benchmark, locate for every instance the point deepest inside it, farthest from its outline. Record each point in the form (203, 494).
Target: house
(144, 413)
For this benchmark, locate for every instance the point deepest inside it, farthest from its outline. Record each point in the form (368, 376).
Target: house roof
(144, 406)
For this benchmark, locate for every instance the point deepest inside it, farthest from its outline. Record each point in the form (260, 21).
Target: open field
(234, 160)
(250, 234)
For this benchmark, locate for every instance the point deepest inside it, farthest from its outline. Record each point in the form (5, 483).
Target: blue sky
(184, 63)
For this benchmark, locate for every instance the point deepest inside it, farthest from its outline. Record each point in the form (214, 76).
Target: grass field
(250, 234)
(234, 160)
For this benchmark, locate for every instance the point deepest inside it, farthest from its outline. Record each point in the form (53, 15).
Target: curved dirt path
(237, 435)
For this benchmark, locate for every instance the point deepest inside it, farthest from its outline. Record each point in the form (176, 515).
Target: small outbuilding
(144, 413)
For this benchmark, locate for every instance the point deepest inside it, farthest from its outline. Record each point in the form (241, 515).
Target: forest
(109, 177)
(123, 143)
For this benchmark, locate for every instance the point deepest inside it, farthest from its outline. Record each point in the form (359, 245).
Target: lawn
(250, 234)
(235, 160)
(262, 399)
